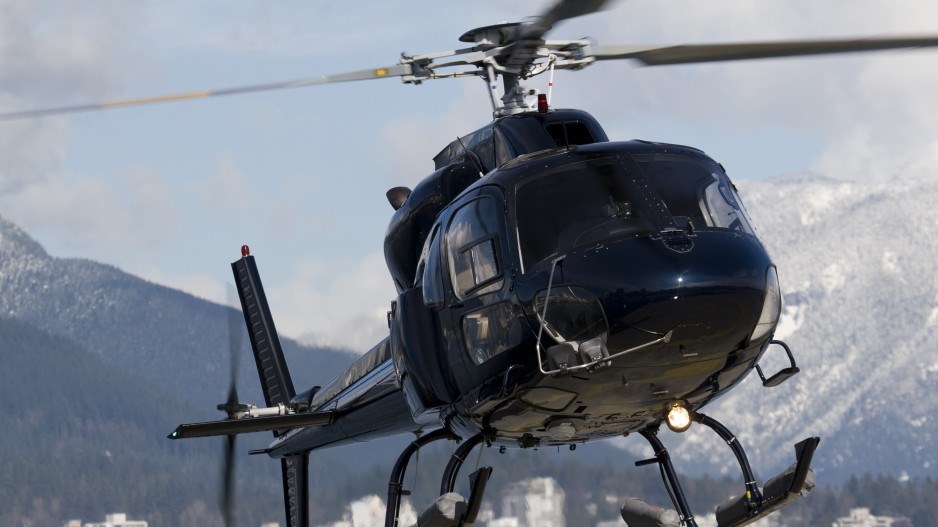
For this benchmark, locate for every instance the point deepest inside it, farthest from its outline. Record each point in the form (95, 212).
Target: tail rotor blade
(227, 497)
(234, 351)
(235, 339)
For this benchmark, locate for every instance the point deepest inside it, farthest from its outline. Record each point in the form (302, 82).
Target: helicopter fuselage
(570, 294)
(552, 287)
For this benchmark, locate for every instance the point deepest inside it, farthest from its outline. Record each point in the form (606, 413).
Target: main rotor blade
(530, 34)
(398, 70)
(562, 10)
(692, 53)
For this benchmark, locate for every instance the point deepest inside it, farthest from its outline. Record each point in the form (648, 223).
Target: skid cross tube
(455, 462)
(753, 495)
(663, 458)
(396, 483)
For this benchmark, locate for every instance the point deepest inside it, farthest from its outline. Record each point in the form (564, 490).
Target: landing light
(678, 418)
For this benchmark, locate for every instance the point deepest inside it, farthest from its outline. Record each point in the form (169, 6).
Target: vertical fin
(296, 489)
(275, 380)
(268, 355)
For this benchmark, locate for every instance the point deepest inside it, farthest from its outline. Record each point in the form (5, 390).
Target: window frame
(430, 267)
(477, 289)
(492, 238)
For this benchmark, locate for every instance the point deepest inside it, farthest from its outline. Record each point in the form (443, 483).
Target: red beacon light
(245, 251)
(542, 103)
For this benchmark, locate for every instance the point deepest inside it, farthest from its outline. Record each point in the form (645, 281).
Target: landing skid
(450, 509)
(753, 504)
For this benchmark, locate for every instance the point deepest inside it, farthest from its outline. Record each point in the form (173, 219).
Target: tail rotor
(233, 408)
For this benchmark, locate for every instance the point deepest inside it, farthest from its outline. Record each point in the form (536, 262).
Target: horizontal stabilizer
(637, 513)
(252, 424)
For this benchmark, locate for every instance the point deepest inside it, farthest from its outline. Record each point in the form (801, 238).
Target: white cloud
(889, 127)
(31, 152)
(225, 188)
(134, 213)
(58, 52)
(409, 143)
(340, 303)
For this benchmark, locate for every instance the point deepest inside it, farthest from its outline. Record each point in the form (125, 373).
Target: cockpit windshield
(574, 205)
(588, 201)
(696, 190)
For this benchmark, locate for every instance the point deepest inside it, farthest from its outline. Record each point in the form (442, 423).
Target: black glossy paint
(701, 284)
(491, 146)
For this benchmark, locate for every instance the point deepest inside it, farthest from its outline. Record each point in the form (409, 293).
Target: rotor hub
(492, 36)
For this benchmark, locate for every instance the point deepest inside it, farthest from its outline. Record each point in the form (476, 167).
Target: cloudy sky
(170, 192)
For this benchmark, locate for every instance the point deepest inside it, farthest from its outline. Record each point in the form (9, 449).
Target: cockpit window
(472, 246)
(695, 190)
(429, 273)
(721, 202)
(576, 205)
(490, 331)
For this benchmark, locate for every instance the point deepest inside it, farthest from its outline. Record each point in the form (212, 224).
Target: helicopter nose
(706, 301)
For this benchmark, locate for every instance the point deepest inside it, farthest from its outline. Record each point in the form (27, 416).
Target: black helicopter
(553, 287)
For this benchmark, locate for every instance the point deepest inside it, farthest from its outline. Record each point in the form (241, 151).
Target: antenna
(550, 80)
(471, 155)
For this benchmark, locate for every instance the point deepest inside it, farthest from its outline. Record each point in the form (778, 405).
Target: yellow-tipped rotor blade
(398, 70)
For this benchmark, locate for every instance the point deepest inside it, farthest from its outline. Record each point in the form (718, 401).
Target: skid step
(782, 375)
(794, 482)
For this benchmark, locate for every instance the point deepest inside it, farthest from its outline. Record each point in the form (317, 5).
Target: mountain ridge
(137, 325)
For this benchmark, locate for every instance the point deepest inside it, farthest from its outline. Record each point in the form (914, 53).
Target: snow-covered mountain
(98, 366)
(857, 266)
(167, 337)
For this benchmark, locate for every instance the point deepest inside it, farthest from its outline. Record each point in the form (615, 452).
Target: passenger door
(483, 320)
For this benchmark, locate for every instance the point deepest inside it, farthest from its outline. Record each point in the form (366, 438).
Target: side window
(472, 246)
(490, 331)
(429, 270)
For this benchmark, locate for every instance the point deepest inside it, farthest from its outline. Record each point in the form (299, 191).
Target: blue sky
(170, 192)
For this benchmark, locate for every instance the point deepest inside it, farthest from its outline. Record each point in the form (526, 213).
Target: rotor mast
(525, 55)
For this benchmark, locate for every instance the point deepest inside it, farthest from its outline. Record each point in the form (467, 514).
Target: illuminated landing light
(678, 418)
